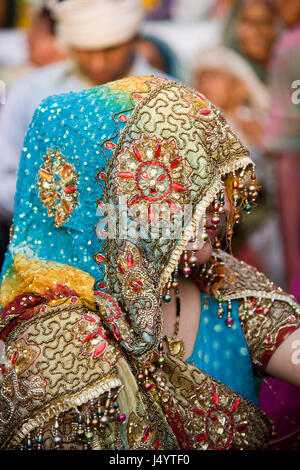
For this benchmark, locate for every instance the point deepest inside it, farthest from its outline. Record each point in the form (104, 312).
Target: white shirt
(23, 98)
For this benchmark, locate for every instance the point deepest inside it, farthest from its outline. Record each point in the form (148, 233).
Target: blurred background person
(41, 46)
(101, 49)
(251, 31)
(277, 398)
(186, 10)
(227, 79)
(13, 63)
(160, 56)
(222, 8)
(7, 10)
(192, 10)
(282, 138)
(13, 44)
(42, 41)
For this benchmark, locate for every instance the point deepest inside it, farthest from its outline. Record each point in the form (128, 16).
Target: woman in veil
(121, 195)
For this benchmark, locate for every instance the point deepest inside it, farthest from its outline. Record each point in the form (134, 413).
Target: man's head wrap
(94, 24)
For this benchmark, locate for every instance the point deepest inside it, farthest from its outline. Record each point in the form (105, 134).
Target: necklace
(175, 345)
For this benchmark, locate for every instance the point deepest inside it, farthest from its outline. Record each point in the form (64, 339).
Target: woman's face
(148, 50)
(216, 85)
(289, 11)
(255, 30)
(205, 249)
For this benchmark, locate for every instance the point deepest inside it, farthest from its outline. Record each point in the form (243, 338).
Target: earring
(204, 234)
(175, 279)
(253, 193)
(220, 310)
(236, 195)
(173, 283)
(216, 218)
(229, 232)
(186, 269)
(192, 258)
(222, 201)
(229, 320)
(167, 296)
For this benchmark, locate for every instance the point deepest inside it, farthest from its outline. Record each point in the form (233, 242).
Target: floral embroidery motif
(218, 425)
(58, 187)
(214, 136)
(20, 356)
(90, 333)
(141, 435)
(15, 388)
(151, 170)
(201, 108)
(110, 312)
(137, 288)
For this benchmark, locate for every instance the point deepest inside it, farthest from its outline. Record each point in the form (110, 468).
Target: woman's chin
(201, 255)
(204, 254)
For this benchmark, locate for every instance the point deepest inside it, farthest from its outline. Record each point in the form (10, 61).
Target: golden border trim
(62, 406)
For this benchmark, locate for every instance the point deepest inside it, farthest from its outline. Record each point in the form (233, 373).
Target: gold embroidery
(58, 187)
(151, 170)
(267, 314)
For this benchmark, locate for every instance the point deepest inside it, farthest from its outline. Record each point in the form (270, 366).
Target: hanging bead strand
(186, 269)
(175, 279)
(229, 320)
(204, 234)
(40, 439)
(56, 436)
(88, 436)
(220, 310)
(167, 297)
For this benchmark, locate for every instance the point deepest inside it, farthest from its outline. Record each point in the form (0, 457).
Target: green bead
(246, 307)
(89, 435)
(248, 207)
(220, 299)
(161, 360)
(167, 298)
(204, 236)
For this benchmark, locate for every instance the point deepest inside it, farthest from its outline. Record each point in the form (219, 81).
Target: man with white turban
(100, 36)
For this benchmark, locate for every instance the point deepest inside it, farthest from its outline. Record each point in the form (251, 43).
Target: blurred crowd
(244, 55)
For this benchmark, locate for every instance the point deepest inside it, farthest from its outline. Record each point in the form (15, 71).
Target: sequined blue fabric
(78, 125)
(222, 352)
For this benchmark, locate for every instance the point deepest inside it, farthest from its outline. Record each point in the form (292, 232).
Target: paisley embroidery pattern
(214, 136)
(17, 386)
(89, 332)
(58, 187)
(201, 109)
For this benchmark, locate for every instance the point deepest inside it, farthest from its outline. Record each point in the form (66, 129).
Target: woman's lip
(212, 231)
